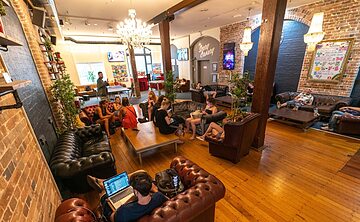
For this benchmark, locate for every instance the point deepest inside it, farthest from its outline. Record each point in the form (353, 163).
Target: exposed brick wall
(27, 190)
(20, 65)
(340, 21)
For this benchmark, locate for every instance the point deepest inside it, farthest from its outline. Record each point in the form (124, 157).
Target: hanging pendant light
(315, 33)
(246, 44)
(133, 31)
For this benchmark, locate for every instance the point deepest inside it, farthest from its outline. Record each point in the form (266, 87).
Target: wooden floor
(352, 167)
(296, 178)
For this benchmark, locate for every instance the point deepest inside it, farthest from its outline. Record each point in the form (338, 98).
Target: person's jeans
(335, 115)
(293, 103)
(107, 211)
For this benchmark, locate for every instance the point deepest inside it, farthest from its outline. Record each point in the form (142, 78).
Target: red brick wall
(27, 190)
(340, 21)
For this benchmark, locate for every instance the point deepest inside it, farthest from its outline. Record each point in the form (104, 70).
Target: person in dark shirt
(146, 193)
(101, 85)
(165, 121)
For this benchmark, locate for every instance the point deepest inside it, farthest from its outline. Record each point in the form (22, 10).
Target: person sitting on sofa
(151, 102)
(117, 106)
(165, 121)
(128, 115)
(343, 111)
(146, 193)
(304, 98)
(103, 116)
(157, 106)
(209, 109)
(208, 92)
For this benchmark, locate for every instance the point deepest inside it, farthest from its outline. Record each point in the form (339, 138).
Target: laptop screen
(116, 183)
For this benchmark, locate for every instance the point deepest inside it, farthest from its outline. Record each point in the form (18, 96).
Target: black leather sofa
(198, 95)
(81, 152)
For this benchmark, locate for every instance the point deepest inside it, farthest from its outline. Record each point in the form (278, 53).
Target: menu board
(329, 59)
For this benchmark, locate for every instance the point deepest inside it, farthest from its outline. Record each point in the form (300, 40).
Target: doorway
(204, 72)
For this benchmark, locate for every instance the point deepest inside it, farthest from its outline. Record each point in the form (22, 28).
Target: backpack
(169, 183)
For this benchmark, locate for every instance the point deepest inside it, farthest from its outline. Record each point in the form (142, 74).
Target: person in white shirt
(304, 98)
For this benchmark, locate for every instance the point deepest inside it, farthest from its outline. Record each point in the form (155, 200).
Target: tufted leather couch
(198, 95)
(197, 202)
(348, 125)
(325, 104)
(87, 113)
(238, 139)
(80, 152)
(74, 209)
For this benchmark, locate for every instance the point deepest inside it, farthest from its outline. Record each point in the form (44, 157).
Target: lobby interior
(294, 167)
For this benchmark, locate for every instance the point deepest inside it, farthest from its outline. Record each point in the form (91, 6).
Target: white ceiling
(103, 14)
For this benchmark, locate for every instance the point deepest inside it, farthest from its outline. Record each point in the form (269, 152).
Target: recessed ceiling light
(237, 15)
(95, 24)
(204, 10)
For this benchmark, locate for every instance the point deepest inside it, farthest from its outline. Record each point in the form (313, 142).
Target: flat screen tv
(229, 56)
(183, 54)
(118, 56)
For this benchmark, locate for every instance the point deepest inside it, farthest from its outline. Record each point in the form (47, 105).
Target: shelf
(7, 40)
(17, 84)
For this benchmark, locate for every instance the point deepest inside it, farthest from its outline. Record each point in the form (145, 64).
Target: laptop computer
(118, 190)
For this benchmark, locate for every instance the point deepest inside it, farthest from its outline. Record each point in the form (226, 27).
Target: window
(88, 72)
(143, 60)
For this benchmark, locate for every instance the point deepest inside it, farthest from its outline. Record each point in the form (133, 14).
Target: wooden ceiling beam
(176, 9)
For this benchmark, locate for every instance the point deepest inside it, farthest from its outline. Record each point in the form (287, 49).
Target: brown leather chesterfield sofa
(74, 209)
(348, 125)
(198, 95)
(81, 152)
(195, 203)
(325, 104)
(237, 141)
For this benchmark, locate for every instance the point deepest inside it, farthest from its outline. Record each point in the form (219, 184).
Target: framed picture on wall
(329, 60)
(214, 77)
(215, 67)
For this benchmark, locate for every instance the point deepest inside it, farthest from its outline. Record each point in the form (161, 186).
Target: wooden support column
(270, 33)
(134, 71)
(165, 44)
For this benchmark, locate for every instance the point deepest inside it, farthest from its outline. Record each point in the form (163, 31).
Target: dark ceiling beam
(176, 9)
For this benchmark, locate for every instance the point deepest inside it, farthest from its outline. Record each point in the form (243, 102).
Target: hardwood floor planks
(296, 178)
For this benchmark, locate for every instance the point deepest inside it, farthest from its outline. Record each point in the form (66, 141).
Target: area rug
(352, 167)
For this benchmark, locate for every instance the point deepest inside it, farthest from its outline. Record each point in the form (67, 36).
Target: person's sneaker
(327, 128)
(278, 105)
(325, 124)
(200, 138)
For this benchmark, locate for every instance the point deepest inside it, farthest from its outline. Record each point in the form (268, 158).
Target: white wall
(85, 53)
(185, 42)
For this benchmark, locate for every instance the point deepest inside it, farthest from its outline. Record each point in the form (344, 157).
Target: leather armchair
(198, 95)
(237, 141)
(207, 119)
(74, 209)
(348, 125)
(81, 152)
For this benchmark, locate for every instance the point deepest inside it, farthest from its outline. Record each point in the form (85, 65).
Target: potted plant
(169, 86)
(238, 90)
(63, 94)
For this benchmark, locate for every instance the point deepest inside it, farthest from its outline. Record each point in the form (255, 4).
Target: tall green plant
(169, 86)
(2, 9)
(238, 90)
(63, 94)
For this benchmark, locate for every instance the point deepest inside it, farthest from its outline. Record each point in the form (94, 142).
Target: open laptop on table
(118, 190)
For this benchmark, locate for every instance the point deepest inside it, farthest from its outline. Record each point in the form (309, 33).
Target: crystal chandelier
(315, 33)
(246, 44)
(133, 31)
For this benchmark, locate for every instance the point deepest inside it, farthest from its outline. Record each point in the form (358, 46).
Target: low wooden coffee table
(299, 118)
(147, 138)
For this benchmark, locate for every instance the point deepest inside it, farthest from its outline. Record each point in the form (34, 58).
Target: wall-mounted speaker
(39, 15)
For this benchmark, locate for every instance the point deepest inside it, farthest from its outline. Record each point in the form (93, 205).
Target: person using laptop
(146, 193)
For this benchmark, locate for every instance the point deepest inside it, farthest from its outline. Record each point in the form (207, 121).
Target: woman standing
(129, 115)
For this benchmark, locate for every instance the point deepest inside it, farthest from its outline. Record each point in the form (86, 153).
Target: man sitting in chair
(304, 98)
(146, 193)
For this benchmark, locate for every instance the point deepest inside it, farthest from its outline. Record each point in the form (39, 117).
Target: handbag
(169, 183)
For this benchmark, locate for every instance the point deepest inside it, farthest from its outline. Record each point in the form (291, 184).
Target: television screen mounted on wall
(229, 56)
(183, 54)
(118, 56)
